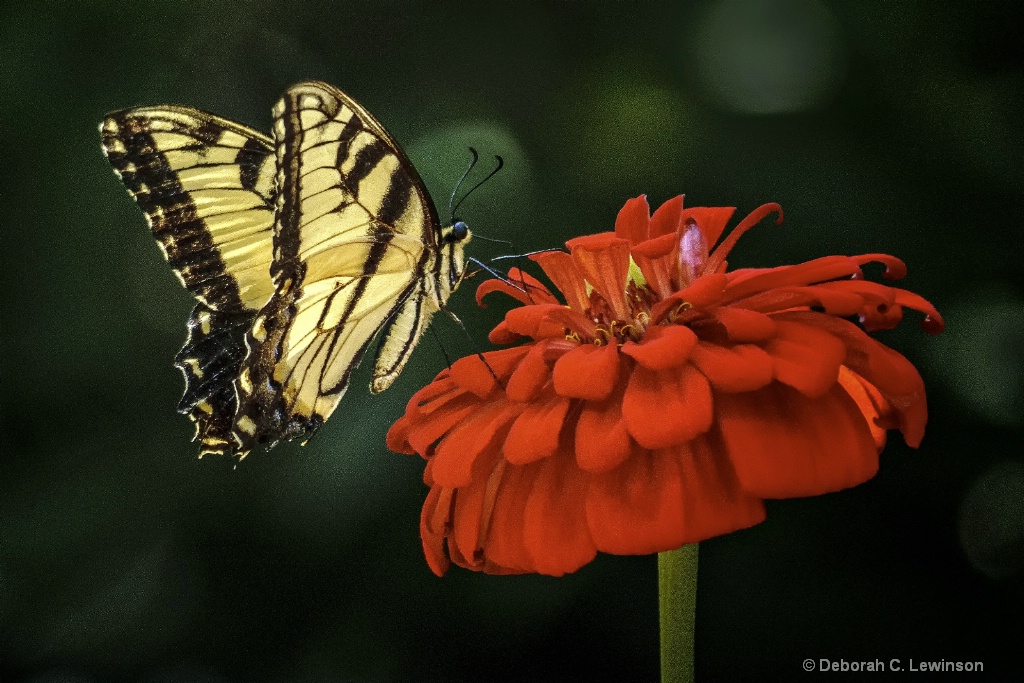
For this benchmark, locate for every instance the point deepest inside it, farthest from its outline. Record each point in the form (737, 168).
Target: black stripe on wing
(174, 218)
(210, 360)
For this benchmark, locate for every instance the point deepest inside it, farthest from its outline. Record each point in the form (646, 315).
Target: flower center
(611, 329)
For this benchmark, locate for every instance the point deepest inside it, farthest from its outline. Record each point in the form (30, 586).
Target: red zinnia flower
(662, 401)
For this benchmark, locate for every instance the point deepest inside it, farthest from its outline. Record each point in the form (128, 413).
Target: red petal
(532, 321)
(715, 503)
(472, 374)
(667, 219)
(784, 444)
(666, 407)
(530, 376)
(704, 292)
(426, 432)
(602, 440)
(505, 545)
(893, 375)
(482, 430)
(717, 260)
(588, 372)
(501, 334)
(397, 439)
(655, 261)
(637, 509)
(604, 262)
(555, 521)
(932, 323)
(433, 523)
(561, 270)
(534, 434)
(876, 410)
(740, 325)
(806, 357)
(633, 220)
(439, 393)
(662, 347)
(816, 270)
(520, 286)
(474, 506)
(743, 367)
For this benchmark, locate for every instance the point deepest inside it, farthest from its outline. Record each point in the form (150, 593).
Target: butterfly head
(453, 260)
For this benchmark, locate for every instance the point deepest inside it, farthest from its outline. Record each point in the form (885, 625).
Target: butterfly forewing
(206, 187)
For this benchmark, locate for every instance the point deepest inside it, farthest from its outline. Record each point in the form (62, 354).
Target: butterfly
(300, 249)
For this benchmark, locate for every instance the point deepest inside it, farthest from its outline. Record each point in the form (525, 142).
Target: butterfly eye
(459, 231)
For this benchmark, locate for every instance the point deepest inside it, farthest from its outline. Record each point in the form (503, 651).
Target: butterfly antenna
(496, 275)
(529, 253)
(478, 236)
(451, 200)
(526, 288)
(501, 164)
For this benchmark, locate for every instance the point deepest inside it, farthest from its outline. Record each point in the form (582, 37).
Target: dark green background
(887, 126)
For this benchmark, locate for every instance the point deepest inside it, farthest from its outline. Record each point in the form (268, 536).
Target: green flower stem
(677, 603)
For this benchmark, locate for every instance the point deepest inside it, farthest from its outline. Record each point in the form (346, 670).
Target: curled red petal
(809, 272)
(895, 269)
(717, 258)
(555, 522)
(784, 444)
(663, 408)
(589, 372)
(662, 347)
(933, 322)
(734, 368)
(520, 285)
(535, 433)
(633, 220)
(397, 439)
(502, 335)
